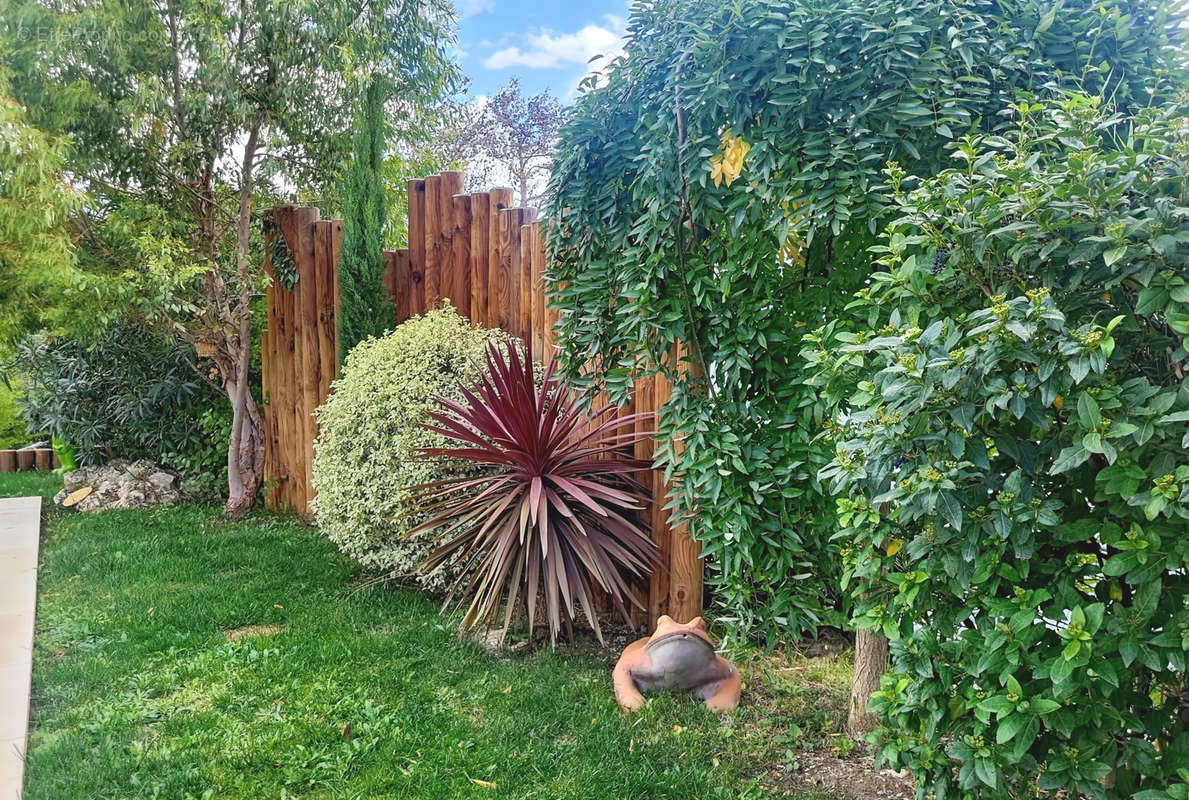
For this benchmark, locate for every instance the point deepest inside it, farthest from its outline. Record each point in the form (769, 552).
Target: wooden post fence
(487, 258)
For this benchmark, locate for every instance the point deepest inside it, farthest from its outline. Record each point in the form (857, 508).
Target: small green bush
(363, 464)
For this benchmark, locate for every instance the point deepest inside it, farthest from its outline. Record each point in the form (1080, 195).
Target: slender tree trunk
(871, 661)
(245, 449)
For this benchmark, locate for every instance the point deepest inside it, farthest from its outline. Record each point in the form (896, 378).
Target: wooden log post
(282, 402)
(458, 287)
(647, 595)
(8, 460)
(416, 247)
(449, 184)
(267, 384)
(685, 554)
(539, 300)
(42, 459)
(433, 227)
(499, 200)
(402, 281)
(506, 287)
(25, 460)
(524, 280)
(479, 251)
(326, 333)
(268, 380)
(336, 255)
(308, 359)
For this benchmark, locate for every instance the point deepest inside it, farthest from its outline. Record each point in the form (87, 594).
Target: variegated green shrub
(363, 464)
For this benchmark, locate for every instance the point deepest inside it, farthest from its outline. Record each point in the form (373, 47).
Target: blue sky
(545, 44)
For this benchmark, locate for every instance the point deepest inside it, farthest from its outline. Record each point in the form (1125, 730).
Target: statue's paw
(630, 705)
(722, 705)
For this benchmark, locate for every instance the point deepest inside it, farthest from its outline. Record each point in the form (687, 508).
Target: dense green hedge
(127, 392)
(720, 186)
(370, 427)
(1012, 467)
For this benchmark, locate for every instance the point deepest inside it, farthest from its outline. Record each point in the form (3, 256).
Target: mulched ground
(852, 776)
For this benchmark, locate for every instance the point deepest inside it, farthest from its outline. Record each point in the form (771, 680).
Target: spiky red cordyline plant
(556, 510)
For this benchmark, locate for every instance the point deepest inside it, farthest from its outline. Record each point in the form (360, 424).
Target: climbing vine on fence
(718, 188)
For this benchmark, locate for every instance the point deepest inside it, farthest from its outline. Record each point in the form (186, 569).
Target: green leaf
(984, 768)
(1042, 705)
(1113, 254)
(997, 704)
(951, 509)
(1069, 458)
(1009, 726)
(1088, 412)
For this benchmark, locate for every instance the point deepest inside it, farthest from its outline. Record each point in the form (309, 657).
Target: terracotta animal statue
(676, 658)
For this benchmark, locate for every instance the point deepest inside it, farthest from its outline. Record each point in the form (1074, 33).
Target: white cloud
(471, 8)
(547, 49)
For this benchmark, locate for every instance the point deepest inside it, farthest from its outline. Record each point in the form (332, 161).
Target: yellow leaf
(1058, 402)
(726, 166)
(484, 784)
(508, 689)
(893, 546)
(677, 729)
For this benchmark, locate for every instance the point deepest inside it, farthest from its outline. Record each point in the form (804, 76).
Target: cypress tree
(364, 309)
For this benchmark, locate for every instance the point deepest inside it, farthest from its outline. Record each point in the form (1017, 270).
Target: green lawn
(139, 693)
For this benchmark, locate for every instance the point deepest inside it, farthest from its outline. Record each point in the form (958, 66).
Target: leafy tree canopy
(718, 188)
(36, 249)
(184, 115)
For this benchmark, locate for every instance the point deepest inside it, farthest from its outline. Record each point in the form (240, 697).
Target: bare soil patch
(852, 776)
(249, 632)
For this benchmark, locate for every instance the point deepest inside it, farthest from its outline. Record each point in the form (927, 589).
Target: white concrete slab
(20, 530)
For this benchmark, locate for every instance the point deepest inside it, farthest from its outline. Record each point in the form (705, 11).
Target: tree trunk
(871, 661)
(245, 449)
